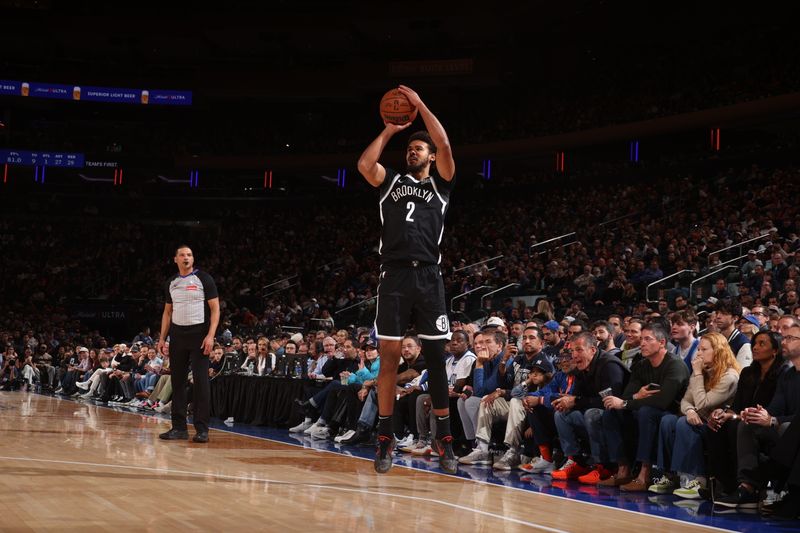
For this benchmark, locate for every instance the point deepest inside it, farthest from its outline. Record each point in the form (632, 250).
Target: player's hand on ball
(412, 96)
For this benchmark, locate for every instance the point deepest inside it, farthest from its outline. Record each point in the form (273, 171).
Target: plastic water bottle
(298, 369)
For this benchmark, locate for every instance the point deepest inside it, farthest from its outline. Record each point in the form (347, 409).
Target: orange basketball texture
(396, 108)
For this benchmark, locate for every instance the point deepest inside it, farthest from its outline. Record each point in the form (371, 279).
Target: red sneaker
(570, 470)
(598, 474)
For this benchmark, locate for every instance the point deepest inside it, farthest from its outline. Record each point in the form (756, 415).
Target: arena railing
(662, 280)
(464, 294)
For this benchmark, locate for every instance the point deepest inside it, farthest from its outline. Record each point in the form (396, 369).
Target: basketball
(396, 108)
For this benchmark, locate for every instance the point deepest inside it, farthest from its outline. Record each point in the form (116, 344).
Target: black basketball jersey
(412, 215)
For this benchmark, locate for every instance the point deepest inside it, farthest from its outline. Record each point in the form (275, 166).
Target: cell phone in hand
(605, 392)
(653, 386)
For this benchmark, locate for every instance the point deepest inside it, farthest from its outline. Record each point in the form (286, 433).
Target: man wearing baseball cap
(553, 343)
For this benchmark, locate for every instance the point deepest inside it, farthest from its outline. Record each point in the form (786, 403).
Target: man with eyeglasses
(759, 312)
(762, 426)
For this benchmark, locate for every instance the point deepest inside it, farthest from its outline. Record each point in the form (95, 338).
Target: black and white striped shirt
(189, 297)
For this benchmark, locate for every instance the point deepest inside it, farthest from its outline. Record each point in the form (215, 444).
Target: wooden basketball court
(69, 466)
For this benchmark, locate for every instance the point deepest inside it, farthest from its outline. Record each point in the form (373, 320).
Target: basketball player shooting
(411, 292)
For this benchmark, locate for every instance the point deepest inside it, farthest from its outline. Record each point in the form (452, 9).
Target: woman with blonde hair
(715, 375)
(544, 310)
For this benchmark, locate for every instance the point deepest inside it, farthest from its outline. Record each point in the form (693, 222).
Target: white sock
(307, 420)
(481, 445)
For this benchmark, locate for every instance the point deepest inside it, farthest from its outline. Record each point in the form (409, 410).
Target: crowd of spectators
(530, 369)
(290, 269)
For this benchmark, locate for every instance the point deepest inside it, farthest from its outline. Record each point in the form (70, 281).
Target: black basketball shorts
(412, 297)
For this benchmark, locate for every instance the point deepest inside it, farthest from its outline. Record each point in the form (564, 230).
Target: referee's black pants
(185, 349)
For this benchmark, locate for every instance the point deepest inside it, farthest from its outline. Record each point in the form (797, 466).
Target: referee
(191, 316)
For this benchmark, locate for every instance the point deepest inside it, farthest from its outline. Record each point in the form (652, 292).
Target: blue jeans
(320, 397)
(370, 410)
(571, 426)
(588, 425)
(647, 419)
(680, 446)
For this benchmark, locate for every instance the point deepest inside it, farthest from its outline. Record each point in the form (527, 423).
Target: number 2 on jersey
(410, 206)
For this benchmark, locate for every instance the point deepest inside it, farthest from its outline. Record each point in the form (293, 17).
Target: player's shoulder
(439, 180)
(391, 175)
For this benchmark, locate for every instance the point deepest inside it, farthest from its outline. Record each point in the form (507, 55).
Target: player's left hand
(413, 97)
(208, 345)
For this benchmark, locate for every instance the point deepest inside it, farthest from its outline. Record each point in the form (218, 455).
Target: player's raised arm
(368, 164)
(445, 164)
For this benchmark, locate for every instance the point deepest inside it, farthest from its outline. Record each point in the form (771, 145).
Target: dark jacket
(333, 367)
(606, 370)
(786, 401)
(750, 392)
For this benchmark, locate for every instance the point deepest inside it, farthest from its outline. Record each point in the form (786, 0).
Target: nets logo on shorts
(442, 324)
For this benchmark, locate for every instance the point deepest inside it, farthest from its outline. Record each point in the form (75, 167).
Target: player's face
(418, 156)
(184, 258)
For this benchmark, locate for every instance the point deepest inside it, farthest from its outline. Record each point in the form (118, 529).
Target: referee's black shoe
(174, 434)
(201, 437)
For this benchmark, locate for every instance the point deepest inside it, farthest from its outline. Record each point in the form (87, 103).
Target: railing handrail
(619, 218)
(279, 281)
(500, 289)
(665, 278)
(740, 243)
(276, 291)
(454, 298)
(534, 245)
(704, 276)
(362, 302)
(479, 263)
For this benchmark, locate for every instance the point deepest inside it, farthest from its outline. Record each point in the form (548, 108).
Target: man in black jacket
(579, 416)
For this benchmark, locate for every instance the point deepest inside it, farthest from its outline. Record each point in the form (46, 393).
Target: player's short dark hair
(423, 136)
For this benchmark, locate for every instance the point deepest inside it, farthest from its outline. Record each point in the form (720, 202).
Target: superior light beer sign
(87, 93)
